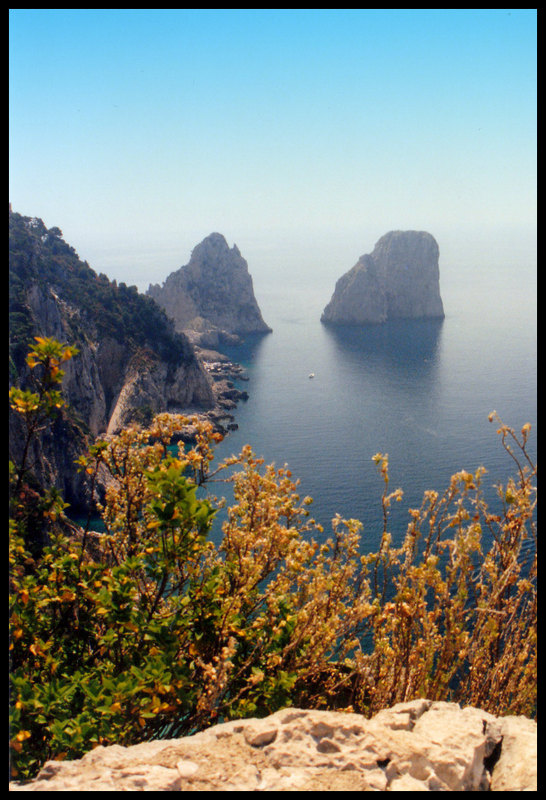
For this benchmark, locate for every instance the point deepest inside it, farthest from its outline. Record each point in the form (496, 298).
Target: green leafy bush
(149, 630)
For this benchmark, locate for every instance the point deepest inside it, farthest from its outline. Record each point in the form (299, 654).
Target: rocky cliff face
(399, 279)
(212, 295)
(130, 366)
(111, 383)
(416, 746)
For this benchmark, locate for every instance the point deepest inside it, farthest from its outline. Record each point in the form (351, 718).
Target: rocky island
(399, 279)
(211, 299)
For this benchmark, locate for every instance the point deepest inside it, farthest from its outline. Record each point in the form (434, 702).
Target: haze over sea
(419, 390)
(303, 135)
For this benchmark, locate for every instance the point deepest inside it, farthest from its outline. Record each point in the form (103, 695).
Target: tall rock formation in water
(212, 295)
(399, 279)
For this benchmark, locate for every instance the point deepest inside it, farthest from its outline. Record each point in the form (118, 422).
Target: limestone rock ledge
(415, 746)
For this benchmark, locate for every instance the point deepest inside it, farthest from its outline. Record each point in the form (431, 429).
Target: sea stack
(399, 279)
(213, 294)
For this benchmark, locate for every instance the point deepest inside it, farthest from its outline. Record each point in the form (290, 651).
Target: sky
(300, 135)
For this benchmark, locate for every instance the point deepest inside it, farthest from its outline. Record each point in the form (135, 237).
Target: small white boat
(311, 374)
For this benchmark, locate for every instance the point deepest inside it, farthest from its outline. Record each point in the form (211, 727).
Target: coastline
(222, 374)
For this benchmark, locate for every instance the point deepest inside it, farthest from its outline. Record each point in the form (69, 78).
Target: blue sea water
(419, 390)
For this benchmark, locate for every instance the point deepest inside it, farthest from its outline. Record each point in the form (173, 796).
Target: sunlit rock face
(213, 292)
(399, 279)
(414, 746)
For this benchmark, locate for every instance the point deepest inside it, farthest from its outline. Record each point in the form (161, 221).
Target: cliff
(399, 279)
(415, 746)
(131, 363)
(212, 297)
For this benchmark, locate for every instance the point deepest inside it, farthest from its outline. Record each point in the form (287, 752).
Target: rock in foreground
(400, 279)
(416, 746)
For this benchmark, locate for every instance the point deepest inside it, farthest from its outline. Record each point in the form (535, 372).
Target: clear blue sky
(298, 134)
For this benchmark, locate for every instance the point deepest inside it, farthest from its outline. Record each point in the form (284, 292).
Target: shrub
(150, 631)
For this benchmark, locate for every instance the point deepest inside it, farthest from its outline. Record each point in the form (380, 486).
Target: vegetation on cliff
(132, 363)
(41, 256)
(150, 631)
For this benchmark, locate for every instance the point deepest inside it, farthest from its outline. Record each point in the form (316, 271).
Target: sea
(323, 400)
(420, 391)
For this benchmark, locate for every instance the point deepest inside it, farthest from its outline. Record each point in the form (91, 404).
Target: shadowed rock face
(213, 291)
(399, 279)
